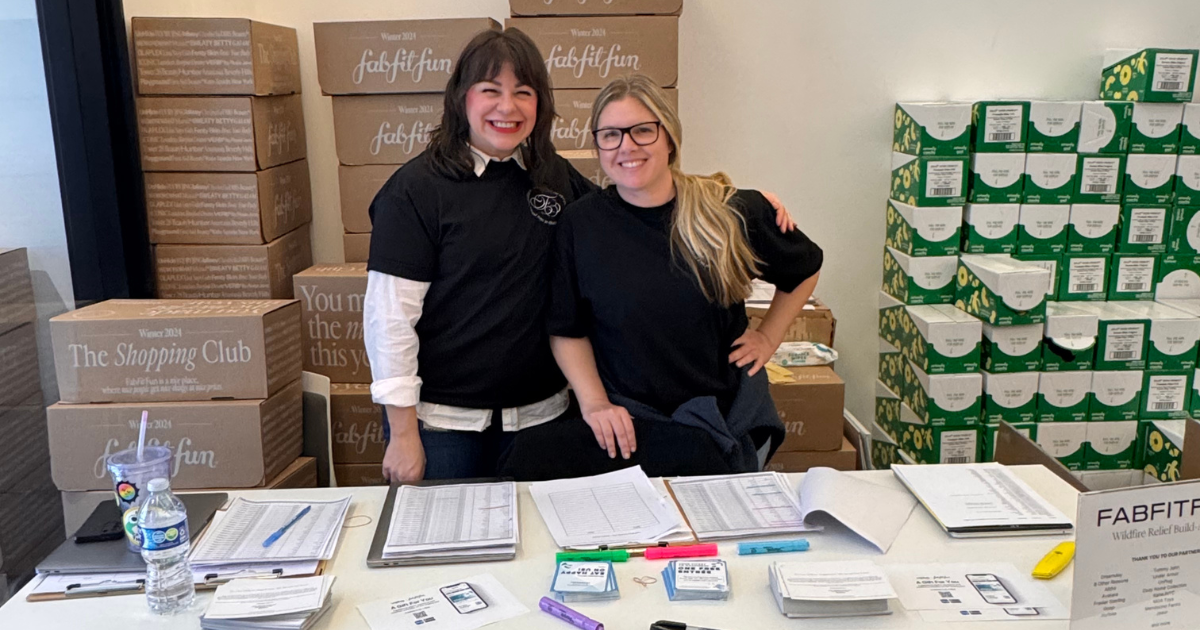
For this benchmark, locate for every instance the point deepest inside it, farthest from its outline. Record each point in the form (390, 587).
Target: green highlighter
(600, 555)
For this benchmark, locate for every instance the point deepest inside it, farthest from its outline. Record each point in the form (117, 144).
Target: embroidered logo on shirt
(546, 205)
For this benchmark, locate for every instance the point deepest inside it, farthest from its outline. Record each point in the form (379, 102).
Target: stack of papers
(232, 546)
(830, 589)
(696, 579)
(453, 523)
(585, 582)
(286, 604)
(621, 508)
(735, 506)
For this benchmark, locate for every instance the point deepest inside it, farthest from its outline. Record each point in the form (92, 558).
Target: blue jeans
(460, 454)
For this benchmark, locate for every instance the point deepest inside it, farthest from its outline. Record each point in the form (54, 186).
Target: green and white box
(1084, 278)
(1185, 231)
(944, 399)
(940, 445)
(1042, 229)
(1100, 178)
(1132, 277)
(924, 231)
(1049, 178)
(1053, 126)
(996, 177)
(1104, 127)
(887, 408)
(990, 228)
(929, 182)
(1010, 397)
(1144, 229)
(1115, 395)
(1174, 339)
(1194, 400)
(1001, 290)
(999, 126)
(1049, 262)
(1151, 75)
(1028, 429)
(932, 129)
(1166, 394)
(939, 339)
(919, 280)
(1122, 337)
(1112, 445)
(1063, 396)
(1178, 277)
(1150, 179)
(1066, 442)
(1012, 348)
(1093, 228)
(1189, 135)
(1156, 128)
(1187, 181)
(891, 366)
(1070, 341)
(1162, 449)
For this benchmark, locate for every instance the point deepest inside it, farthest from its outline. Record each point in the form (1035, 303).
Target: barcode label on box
(959, 460)
(941, 192)
(1172, 72)
(1168, 86)
(1127, 354)
(1099, 188)
(1083, 288)
(1144, 238)
(1134, 286)
(1001, 137)
(945, 179)
(1165, 406)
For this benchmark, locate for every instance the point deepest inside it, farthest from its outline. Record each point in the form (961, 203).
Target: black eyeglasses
(642, 134)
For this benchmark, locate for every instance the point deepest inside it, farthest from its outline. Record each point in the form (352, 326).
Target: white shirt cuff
(401, 391)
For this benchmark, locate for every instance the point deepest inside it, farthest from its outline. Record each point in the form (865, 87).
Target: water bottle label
(163, 538)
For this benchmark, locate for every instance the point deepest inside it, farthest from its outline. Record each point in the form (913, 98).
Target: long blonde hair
(707, 234)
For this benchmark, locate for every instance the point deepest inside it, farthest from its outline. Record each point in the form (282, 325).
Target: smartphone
(103, 524)
(463, 598)
(990, 588)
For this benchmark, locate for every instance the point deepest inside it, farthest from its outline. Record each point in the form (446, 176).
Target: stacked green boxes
(923, 232)
(1152, 75)
(1001, 290)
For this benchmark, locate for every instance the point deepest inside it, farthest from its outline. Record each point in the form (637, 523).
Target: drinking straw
(142, 433)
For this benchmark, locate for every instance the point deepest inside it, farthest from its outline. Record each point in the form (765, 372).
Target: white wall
(796, 96)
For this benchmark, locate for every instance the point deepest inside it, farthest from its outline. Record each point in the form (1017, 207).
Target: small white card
(581, 577)
(701, 575)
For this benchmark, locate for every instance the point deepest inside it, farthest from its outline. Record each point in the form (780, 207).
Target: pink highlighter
(686, 551)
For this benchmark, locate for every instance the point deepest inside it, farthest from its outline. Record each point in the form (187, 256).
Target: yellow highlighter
(1055, 561)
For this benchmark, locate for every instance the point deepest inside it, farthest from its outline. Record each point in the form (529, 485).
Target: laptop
(375, 558)
(112, 556)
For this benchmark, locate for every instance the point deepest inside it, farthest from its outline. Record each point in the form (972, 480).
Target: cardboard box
(1053, 126)
(1162, 449)
(1167, 394)
(997, 177)
(1012, 348)
(912, 280)
(525, 8)
(20, 377)
(384, 128)
(1100, 178)
(216, 443)
(29, 518)
(24, 449)
(1122, 336)
(1151, 75)
(1189, 134)
(1178, 277)
(1115, 395)
(590, 168)
(1174, 338)
(990, 228)
(16, 285)
(923, 231)
(1070, 341)
(1049, 178)
(814, 323)
(1093, 228)
(572, 128)
(331, 300)
(1084, 278)
(943, 399)
(357, 247)
(232, 272)
(1104, 127)
(1132, 276)
(929, 182)
(391, 56)
(1001, 291)
(301, 473)
(892, 365)
(1144, 229)
(1149, 179)
(940, 445)
(1065, 441)
(811, 409)
(1111, 445)
(1010, 397)
(1187, 181)
(357, 424)
(588, 52)
(845, 458)
(229, 133)
(1049, 262)
(932, 129)
(171, 350)
(1042, 229)
(191, 56)
(358, 186)
(999, 126)
(938, 338)
(355, 475)
(1028, 429)
(1156, 128)
(1063, 396)
(228, 208)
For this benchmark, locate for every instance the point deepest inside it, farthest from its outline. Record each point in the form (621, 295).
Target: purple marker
(568, 615)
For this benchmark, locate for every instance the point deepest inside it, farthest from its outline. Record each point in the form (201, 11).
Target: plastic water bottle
(162, 522)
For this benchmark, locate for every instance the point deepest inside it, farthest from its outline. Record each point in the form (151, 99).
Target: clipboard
(81, 587)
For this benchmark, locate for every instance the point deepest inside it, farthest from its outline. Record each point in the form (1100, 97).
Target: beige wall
(795, 96)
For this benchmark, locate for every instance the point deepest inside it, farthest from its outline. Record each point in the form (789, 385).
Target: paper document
(87, 583)
(617, 508)
(237, 534)
(437, 517)
(431, 607)
(206, 573)
(250, 598)
(729, 506)
(870, 510)
(833, 581)
(973, 591)
(983, 498)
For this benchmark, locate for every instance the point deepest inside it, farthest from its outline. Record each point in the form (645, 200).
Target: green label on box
(996, 177)
(1166, 394)
(1178, 277)
(1121, 344)
(1049, 178)
(1132, 277)
(1152, 75)
(1150, 179)
(990, 228)
(1042, 229)
(1093, 228)
(1156, 128)
(999, 126)
(1104, 127)
(1115, 395)
(932, 129)
(923, 231)
(1144, 229)
(1100, 178)
(1084, 278)
(1053, 126)
(913, 280)
(929, 182)
(1112, 445)
(1063, 396)
(1187, 181)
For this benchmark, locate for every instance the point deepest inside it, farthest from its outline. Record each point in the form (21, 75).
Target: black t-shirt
(656, 338)
(484, 245)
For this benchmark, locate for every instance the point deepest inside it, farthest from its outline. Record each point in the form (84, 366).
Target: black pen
(674, 625)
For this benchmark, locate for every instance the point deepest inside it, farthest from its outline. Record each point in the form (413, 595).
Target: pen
(570, 616)
(611, 555)
(674, 625)
(684, 551)
(282, 530)
(777, 546)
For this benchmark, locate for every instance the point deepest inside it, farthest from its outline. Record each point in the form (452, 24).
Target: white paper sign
(973, 592)
(1137, 559)
(431, 608)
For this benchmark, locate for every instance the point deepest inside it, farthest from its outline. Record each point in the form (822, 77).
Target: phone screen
(990, 589)
(463, 597)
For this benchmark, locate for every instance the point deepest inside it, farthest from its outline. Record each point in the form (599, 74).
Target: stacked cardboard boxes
(28, 528)
(223, 148)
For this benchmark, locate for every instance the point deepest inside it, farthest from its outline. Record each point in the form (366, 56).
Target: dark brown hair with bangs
(482, 59)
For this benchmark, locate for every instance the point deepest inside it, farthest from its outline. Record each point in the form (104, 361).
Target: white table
(751, 606)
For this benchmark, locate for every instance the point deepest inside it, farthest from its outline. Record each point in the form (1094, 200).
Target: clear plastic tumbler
(130, 480)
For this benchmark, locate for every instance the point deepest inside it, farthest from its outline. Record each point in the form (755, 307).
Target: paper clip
(216, 578)
(644, 581)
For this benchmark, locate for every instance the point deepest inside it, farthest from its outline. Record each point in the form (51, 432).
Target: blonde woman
(647, 317)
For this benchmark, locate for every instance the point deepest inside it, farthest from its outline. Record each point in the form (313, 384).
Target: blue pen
(777, 546)
(282, 530)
